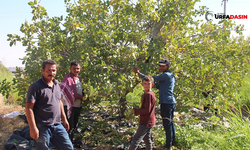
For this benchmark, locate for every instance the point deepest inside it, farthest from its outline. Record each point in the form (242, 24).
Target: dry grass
(7, 126)
(9, 109)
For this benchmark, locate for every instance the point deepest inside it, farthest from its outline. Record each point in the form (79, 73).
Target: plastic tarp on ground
(11, 115)
(20, 140)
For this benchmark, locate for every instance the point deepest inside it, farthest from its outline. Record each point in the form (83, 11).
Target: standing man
(44, 111)
(72, 96)
(165, 83)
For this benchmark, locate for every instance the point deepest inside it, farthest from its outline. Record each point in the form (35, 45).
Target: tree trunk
(156, 29)
(122, 102)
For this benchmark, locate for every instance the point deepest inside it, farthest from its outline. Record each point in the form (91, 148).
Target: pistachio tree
(110, 37)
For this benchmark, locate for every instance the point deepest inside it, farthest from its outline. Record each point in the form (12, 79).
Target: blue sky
(14, 13)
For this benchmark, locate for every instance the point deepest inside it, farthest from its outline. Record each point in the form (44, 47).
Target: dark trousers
(167, 113)
(142, 133)
(73, 120)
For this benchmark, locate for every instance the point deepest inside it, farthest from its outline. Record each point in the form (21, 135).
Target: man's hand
(63, 117)
(79, 97)
(34, 133)
(136, 70)
(66, 125)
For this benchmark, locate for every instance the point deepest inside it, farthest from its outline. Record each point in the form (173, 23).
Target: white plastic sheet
(11, 115)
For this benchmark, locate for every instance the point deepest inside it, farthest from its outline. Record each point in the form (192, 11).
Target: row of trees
(110, 37)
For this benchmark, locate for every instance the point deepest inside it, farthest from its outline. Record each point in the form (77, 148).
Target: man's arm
(34, 132)
(79, 97)
(161, 77)
(82, 98)
(63, 117)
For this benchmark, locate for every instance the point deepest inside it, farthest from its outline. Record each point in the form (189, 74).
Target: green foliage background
(243, 95)
(8, 85)
(111, 37)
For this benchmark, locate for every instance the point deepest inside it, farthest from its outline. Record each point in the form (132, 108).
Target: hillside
(5, 73)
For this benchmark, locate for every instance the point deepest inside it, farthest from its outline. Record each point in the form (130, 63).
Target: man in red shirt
(72, 96)
(147, 116)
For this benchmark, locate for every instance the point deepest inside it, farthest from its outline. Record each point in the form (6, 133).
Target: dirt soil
(8, 125)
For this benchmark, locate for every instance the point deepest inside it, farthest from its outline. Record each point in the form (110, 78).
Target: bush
(9, 86)
(244, 90)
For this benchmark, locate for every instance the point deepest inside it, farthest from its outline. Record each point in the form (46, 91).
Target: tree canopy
(110, 37)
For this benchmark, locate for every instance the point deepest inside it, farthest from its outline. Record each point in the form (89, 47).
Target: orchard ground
(8, 125)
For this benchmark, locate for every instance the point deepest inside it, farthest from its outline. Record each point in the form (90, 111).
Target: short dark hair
(49, 61)
(148, 79)
(74, 63)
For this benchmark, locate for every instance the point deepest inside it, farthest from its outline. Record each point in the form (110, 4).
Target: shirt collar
(167, 70)
(54, 81)
(72, 75)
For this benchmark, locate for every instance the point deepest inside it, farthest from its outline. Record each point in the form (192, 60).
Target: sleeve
(32, 94)
(161, 77)
(142, 75)
(146, 105)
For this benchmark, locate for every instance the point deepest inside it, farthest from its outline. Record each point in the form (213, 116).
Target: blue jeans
(55, 134)
(167, 111)
(144, 133)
